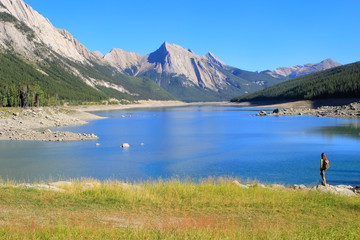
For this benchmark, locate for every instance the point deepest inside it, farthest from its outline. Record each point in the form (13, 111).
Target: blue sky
(251, 35)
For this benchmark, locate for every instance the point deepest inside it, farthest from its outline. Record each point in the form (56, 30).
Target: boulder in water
(125, 145)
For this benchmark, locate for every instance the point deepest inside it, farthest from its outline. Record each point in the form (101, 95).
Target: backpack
(326, 164)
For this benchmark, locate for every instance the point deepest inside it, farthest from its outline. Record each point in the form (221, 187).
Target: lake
(194, 142)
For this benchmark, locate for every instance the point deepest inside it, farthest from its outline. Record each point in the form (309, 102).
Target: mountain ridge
(181, 71)
(169, 72)
(305, 69)
(59, 40)
(30, 40)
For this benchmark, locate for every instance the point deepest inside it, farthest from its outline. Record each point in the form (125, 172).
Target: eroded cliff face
(26, 31)
(301, 70)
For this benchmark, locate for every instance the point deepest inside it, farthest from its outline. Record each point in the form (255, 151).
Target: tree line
(339, 82)
(26, 95)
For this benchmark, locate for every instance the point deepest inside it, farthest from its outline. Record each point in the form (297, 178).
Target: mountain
(124, 61)
(24, 29)
(188, 76)
(38, 53)
(65, 68)
(338, 82)
(98, 53)
(301, 70)
(200, 71)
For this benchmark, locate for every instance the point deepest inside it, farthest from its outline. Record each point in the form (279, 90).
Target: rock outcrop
(346, 111)
(343, 190)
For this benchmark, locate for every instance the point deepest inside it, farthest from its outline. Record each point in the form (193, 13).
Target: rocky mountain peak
(329, 63)
(300, 70)
(123, 60)
(167, 51)
(214, 59)
(44, 33)
(98, 53)
(173, 59)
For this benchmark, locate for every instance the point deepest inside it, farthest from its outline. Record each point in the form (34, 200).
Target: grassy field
(212, 209)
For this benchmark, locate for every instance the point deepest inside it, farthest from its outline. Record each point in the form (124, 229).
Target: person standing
(324, 165)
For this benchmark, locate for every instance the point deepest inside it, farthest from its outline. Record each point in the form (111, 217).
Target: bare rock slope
(202, 71)
(42, 33)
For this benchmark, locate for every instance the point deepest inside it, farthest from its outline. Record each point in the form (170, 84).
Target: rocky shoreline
(351, 110)
(60, 186)
(34, 125)
(343, 190)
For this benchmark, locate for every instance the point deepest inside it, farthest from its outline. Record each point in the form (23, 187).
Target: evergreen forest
(339, 82)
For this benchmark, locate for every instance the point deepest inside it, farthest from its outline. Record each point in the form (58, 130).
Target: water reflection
(349, 130)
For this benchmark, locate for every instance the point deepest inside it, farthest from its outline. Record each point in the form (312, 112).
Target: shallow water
(193, 142)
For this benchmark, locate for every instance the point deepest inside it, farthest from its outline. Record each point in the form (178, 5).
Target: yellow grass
(213, 209)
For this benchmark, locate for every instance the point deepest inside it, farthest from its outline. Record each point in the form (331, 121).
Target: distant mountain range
(301, 70)
(188, 76)
(35, 51)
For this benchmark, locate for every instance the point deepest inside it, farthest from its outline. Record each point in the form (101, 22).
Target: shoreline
(34, 124)
(89, 184)
(312, 104)
(85, 112)
(351, 110)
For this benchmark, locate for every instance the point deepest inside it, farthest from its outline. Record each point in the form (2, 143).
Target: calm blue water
(192, 142)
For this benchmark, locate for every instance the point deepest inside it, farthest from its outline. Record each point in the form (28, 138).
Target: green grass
(213, 209)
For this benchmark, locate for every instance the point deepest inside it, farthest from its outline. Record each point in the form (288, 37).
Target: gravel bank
(33, 125)
(351, 110)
